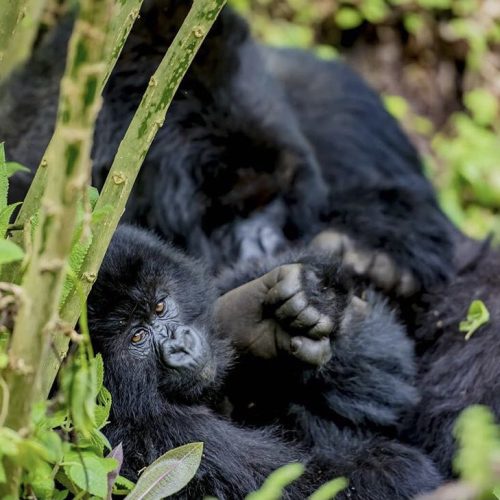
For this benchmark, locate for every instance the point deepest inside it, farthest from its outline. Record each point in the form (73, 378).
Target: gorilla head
(149, 314)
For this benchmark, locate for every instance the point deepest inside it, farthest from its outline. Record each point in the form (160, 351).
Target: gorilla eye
(160, 308)
(138, 337)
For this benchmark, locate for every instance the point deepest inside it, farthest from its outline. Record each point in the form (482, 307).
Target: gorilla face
(182, 357)
(149, 316)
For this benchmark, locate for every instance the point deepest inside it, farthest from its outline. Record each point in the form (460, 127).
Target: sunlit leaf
(10, 252)
(89, 472)
(330, 490)
(169, 474)
(273, 486)
(477, 316)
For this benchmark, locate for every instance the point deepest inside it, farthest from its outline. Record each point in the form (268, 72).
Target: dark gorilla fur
(261, 148)
(338, 420)
(454, 373)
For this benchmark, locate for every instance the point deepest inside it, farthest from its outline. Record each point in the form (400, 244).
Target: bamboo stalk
(68, 174)
(147, 121)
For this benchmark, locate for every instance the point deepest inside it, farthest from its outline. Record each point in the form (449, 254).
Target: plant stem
(68, 174)
(21, 42)
(147, 121)
(122, 23)
(12, 13)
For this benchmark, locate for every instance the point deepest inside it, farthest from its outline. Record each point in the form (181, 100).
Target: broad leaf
(10, 252)
(89, 472)
(13, 167)
(169, 474)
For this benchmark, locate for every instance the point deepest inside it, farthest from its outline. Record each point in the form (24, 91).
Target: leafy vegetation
(478, 457)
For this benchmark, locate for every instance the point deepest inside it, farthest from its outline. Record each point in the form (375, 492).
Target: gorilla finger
(358, 260)
(323, 327)
(383, 272)
(307, 318)
(329, 241)
(313, 352)
(292, 307)
(408, 284)
(288, 285)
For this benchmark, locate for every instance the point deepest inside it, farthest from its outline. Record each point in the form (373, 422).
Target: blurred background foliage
(437, 63)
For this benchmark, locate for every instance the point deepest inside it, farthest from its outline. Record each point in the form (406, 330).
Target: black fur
(453, 372)
(262, 148)
(337, 419)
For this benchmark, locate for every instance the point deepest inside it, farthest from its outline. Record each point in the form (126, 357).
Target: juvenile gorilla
(262, 148)
(156, 320)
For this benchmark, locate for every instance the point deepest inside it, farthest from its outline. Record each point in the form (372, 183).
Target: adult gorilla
(262, 148)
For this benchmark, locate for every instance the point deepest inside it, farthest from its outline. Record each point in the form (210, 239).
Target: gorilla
(454, 372)
(262, 149)
(175, 343)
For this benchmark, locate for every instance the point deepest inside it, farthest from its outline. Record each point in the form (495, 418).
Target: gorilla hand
(275, 314)
(375, 265)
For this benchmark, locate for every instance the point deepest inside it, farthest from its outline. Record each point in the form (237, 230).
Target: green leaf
(169, 474)
(397, 106)
(478, 444)
(93, 194)
(52, 444)
(477, 316)
(10, 252)
(483, 105)
(5, 216)
(40, 479)
(89, 472)
(330, 489)
(348, 18)
(123, 485)
(274, 485)
(13, 167)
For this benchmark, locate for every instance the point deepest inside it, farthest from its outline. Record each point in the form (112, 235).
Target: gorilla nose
(183, 349)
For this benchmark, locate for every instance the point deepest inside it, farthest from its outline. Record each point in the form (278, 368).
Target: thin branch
(12, 14)
(132, 150)
(122, 23)
(22, 40)
(68, 174)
